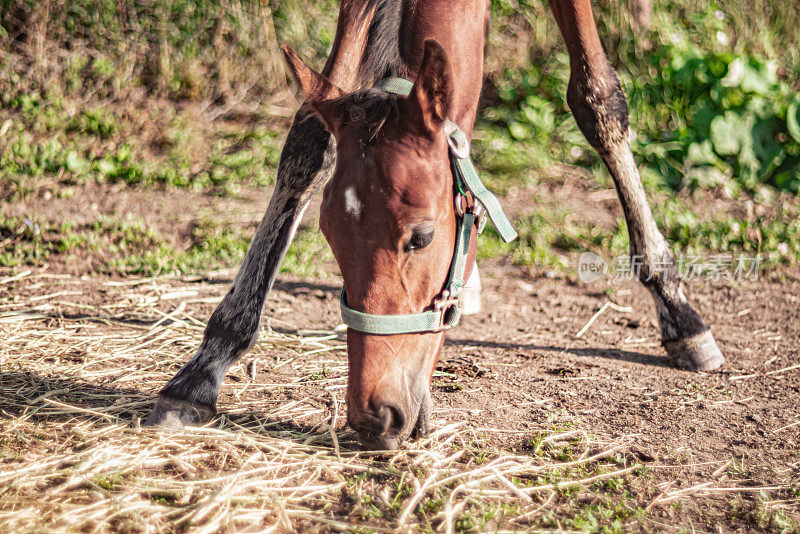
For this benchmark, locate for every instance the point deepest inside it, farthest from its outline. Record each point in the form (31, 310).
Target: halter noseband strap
(447, 306)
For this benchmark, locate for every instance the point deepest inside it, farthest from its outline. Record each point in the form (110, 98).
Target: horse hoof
(696, 353)
(470, 300)
(471, 293)
(175, 414)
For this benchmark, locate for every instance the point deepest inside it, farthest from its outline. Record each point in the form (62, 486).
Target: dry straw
(77, 377)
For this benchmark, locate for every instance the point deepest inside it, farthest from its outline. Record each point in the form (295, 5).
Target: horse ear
(321, 94)
(315, 86)
(432, 93)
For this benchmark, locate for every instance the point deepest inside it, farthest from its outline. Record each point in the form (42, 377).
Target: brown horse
(388, 212)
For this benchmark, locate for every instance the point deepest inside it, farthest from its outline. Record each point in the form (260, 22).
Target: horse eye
(419, 240)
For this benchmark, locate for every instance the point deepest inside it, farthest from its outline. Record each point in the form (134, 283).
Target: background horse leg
(598, 104)
(307, 161)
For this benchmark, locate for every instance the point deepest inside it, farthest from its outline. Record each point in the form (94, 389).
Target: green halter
(447, 306)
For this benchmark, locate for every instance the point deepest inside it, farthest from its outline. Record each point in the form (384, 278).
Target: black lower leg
(306, 163)
(232, 328)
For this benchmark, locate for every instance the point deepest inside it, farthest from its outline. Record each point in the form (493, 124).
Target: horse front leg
(601, 111)
(307, 161)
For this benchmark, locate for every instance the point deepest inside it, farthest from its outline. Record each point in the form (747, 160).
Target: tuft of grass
(761, 515)
(551, 237)
(131, 247)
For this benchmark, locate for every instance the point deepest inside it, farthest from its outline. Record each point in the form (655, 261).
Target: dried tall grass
(81, 362)
(77, 378)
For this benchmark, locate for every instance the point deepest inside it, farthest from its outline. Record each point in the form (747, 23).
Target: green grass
(132, 247)
(761, 515)
(43, 140)
(607, 505)
(712, 97)
(552, 237)
(188, 94)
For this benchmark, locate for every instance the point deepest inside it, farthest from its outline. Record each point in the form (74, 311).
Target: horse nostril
(391, 419)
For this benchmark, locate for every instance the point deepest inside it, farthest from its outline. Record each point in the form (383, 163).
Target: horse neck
(459, 26)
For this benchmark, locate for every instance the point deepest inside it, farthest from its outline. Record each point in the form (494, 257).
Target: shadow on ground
(589, 352)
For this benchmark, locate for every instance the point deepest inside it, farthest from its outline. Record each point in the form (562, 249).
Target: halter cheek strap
(447, 306)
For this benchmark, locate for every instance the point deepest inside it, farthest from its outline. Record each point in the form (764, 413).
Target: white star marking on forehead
(352, 204)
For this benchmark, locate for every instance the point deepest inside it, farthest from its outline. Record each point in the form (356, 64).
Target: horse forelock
(368, 111)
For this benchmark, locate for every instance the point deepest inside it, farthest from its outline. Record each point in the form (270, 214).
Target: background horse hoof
(697, 353)
(175, 414)
(471, 301)
(471, 294)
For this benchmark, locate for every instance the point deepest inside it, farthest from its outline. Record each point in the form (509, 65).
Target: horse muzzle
(384, 426)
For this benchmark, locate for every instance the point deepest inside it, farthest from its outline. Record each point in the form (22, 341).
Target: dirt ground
(717, 443)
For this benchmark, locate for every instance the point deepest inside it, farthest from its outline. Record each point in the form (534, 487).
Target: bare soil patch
(83, 356)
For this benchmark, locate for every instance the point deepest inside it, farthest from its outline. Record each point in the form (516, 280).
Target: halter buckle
(442, 304)
(456, 140)
(462, 207)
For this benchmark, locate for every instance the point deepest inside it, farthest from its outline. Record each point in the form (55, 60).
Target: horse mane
(370, 109)
(382, 52)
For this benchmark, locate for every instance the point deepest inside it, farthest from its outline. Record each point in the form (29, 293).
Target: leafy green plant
(732, 119)
(705, 115)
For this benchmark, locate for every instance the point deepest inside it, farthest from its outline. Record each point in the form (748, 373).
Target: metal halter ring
(476, 209)
(460, 204)
(443, 304)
